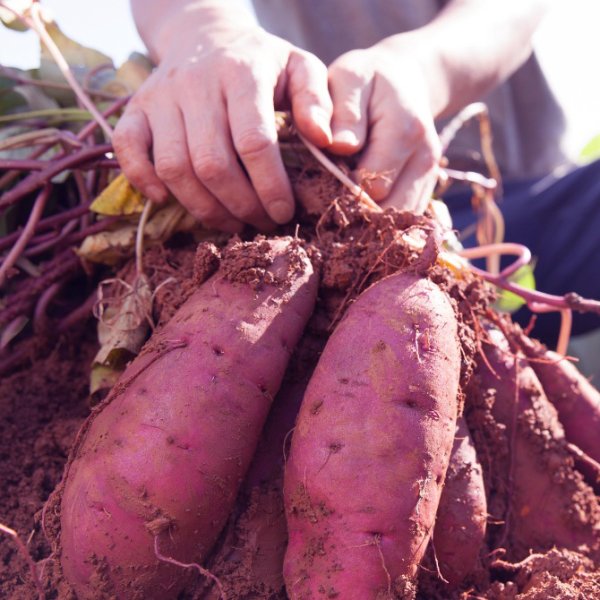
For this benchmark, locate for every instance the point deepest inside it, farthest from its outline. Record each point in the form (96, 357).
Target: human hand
(211, 102)
(381, 103)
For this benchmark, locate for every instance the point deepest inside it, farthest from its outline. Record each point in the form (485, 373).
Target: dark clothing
(558, 219)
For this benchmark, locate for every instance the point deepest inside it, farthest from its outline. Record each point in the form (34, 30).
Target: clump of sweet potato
(539, 499)
(156, 468)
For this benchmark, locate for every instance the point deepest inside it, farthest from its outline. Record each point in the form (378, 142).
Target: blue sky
(568, 45)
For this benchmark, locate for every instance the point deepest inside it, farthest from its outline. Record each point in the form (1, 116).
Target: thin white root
(22, 549)
(205, 572)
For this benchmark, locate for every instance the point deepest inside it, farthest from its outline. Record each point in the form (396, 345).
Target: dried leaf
(123, 320)
(102, 379)
(118, 198)
(110, 247)
(124, 313)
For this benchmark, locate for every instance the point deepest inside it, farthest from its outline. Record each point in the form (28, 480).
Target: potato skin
(545, 501)
(462, 514)
(161, 461)
(576, 400)
(371, 445)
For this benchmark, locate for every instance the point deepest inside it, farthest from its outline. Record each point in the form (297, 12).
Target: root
(205, 572)
(22, 549)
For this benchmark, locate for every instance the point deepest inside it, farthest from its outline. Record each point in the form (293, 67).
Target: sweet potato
(249, 559)
(462, 514)
(156, 469)
(574, 397)
(541, 501)
(372, 444)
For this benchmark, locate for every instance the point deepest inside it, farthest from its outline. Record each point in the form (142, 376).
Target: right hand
(206, 114)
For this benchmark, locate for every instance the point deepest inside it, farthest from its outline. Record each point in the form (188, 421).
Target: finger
(132, 141)
(251, 116)
(350, 93)
(397, 133)
(414, 187)
(308, 93)
(215, 162)
(174, 167)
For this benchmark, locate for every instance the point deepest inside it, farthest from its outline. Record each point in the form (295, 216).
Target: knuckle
(171, 168)
(123, 140)
(209, 165)
(136, 173)
(252, 142)
(244, 211)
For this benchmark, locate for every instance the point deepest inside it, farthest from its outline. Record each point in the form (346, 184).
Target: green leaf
(81, 59)
(591, 151)
(509, 302)
(9, 97)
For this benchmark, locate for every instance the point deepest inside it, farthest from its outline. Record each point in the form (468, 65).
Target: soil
(43, 405)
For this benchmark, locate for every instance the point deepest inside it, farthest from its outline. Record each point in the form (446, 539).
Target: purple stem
(88, 129)
(60, 268)
(47, 223)
(6, 72)
(25, 164)
(26, 234)
(79, 314)
(91, 229)
(55, 167)
(40, 319)
(53, 241)
(568, 301)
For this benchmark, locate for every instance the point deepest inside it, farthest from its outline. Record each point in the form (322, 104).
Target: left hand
(382, 103)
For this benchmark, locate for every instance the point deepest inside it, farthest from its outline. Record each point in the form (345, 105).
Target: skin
(201, 127)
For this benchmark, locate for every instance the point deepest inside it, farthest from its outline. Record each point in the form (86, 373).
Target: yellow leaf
(118, 198)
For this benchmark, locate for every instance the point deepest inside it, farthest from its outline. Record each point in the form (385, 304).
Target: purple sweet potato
(541, 501)
(249, 559)
(462, 514)
(372, 444)
(156, 469)
(576, 400)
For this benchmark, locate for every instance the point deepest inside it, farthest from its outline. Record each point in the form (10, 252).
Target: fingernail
(320, 118)
(281, 211)
(346, 137)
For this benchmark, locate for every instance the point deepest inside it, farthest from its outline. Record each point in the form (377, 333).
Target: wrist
(192, 27)
(418, 48)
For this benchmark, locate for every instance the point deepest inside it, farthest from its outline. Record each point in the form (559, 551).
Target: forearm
(163, 24)
(473, 45)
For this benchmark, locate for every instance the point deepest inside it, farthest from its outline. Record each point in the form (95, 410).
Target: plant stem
(55, 167)
(38, 26)
(26, 234)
